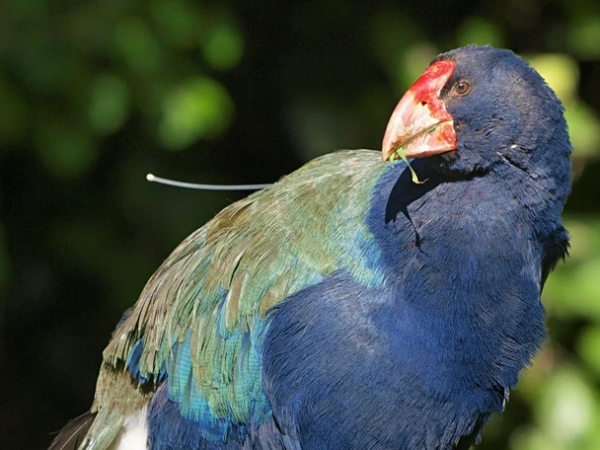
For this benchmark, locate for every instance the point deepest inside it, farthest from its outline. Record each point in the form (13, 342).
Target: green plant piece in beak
(400, 153)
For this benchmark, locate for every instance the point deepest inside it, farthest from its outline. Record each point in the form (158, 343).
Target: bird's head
(475, 108)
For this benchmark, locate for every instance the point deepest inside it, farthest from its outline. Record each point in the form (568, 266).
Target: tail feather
(73, 433)
(106, 428)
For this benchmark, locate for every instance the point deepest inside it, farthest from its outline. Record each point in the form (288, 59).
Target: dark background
(95, 94)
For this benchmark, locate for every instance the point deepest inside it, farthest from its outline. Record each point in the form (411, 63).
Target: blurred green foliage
(95, 94)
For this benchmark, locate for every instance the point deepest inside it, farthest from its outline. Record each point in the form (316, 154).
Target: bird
(348, 306)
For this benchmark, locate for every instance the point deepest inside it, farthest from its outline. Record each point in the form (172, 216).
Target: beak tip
(386, 152)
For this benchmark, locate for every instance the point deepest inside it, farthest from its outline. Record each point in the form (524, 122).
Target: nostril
(423, 103)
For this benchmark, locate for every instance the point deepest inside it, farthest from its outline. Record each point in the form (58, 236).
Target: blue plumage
(459, 318)
(357, 309)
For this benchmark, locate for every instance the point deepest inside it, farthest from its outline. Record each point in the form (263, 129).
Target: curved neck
(469, 254)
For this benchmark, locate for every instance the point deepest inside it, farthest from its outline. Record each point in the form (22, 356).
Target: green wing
(202, 315)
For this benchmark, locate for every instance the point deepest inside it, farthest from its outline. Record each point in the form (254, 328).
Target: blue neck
(463, 262)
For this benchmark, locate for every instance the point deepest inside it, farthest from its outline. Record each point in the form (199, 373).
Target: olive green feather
(222, 281)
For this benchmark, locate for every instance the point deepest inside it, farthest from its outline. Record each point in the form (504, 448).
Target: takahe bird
(347, 307)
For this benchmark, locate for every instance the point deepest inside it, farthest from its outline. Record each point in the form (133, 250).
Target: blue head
(503, 112)
(477, 110)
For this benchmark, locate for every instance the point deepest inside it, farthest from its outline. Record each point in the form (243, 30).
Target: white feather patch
(134, 434)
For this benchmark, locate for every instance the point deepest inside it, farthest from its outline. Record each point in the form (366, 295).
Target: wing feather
(203, 315)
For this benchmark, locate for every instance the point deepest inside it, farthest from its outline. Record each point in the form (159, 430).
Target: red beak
(420, 124)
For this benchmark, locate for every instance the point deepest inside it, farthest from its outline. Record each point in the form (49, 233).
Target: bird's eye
(462, 87)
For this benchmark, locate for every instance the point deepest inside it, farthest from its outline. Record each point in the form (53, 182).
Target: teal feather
(204, 313)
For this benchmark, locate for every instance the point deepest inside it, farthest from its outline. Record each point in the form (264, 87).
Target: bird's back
(198, 327)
